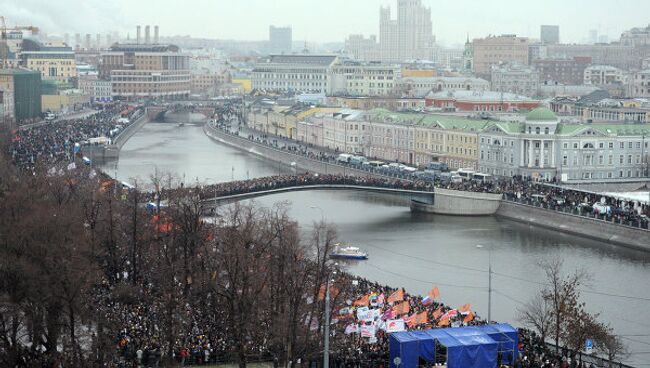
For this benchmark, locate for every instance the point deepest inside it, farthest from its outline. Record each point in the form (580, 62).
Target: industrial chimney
(155, 34)
(137, 37)
(147, 38)
(98, 46)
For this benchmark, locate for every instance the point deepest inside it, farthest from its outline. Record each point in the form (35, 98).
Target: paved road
(76, 115)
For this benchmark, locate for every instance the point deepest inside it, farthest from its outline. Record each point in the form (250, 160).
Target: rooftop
(323, 60)
(480, 96)
(541, 114)
(443, 121)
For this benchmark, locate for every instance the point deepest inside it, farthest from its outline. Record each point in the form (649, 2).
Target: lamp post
(489, 248)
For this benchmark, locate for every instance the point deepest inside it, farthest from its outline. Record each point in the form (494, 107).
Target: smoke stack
(77, 41)
(137, 37)
(99, 42)
(155, 34)
(87, 41)
(147, 39)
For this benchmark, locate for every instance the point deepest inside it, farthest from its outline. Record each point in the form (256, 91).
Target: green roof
(606, 129)
(444, 121)
(541, 114)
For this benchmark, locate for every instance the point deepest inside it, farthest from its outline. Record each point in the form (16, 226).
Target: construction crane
(4, 49)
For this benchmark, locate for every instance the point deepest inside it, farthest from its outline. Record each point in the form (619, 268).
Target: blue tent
(473, 346)
(405, 346)
(507, 340)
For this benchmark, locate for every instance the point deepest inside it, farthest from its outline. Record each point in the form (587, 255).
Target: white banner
(363, 313)
(395, 325)
(367, 330)
(352, 328)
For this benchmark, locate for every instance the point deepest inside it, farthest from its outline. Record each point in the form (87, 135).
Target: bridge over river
(438, 200)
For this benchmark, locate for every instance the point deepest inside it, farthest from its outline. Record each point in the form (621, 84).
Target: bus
(481, 178)
(344, 158)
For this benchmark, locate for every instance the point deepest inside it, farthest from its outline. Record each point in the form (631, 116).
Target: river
(416, 250)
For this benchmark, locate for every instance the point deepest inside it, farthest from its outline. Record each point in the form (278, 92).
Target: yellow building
(54, 62)
(64, 102)
(246, 83)
(421, 73)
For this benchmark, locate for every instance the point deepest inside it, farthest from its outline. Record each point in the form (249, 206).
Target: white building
(639, 84)
(604, 75)
(515, 78)
(294, 73)
(361, 48)
(363, 79)
(407, 37)
(421, 86)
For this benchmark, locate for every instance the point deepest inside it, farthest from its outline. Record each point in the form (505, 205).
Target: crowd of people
(54, 142)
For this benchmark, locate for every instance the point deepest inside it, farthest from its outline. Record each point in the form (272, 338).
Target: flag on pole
(437, 313)
(397, 296)
(464, 309)
(362, 302)
(443, 322)
(402, 308)
(380, 299)
(434, 293)
(427, 300)
(469, 318)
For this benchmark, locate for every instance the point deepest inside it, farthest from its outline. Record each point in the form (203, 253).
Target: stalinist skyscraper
(408, 37)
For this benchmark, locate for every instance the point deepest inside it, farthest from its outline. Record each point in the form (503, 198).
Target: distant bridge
(162, 113)
(441, 201)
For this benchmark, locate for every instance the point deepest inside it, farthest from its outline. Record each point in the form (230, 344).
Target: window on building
(546, 130)
(565, 160)
(537, 130)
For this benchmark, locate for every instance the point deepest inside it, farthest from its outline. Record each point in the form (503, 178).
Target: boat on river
(348, 253)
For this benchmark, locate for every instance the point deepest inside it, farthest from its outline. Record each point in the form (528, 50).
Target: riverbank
(586, 227)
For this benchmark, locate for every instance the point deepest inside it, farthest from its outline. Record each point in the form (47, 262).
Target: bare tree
(537, 314)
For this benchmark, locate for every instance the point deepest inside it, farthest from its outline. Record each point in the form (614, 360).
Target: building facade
(515, 78)
(409, 36)
(280, 40)
(480, 102)
(146, 70)
(53, 62)
(602, 75)
(363, 79)
(22, 92)
(361, 48)
(495, 50)
(294, 73)
(549, 34)
(421, 86)
(562, 71)
(639, 84)
(543, 148)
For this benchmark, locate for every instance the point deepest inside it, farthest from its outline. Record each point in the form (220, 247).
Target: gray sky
(326, 20)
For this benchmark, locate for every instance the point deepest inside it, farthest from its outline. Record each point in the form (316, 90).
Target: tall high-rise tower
(408, 37)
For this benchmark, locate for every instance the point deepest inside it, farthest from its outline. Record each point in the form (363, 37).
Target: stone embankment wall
(112, 151)
(577, 225)
(460, 203)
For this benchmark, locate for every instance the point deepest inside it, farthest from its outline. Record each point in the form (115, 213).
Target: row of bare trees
(80, 258)
(558, 314)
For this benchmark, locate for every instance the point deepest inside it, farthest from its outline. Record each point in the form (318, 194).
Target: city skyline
(452, 21)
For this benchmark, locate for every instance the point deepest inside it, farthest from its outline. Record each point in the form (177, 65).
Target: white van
(344, 158)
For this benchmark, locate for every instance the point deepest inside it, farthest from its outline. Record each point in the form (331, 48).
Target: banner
(434, 293)
(367, 330)
(395, 325)
(362, 302)
(464, 309)
(352, 328)
(469, 318)
(402, 308)
(365, 314)
(389, 314)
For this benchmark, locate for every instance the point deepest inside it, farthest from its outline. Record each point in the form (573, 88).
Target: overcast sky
(326, 20)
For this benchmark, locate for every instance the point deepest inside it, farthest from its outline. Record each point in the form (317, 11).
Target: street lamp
(489, 248)
(326, 342)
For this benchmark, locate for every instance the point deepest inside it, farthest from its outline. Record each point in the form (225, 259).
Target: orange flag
(363, 302)
(469, 317)
(443, 322)
(464, 308)
(402, 308)
(434, 293)
(437, 313)
(421, 318)
(333, 292)
(397, 296)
